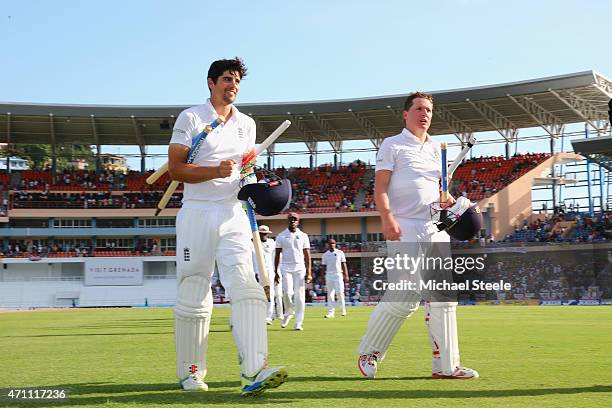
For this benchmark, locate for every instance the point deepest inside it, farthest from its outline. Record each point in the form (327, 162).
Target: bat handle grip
(166, 197)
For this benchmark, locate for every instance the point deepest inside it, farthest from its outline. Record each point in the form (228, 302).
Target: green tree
(39, 155)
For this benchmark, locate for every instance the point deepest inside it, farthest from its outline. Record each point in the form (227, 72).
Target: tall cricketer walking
(295, 267)
(212, 227)
(407, 182)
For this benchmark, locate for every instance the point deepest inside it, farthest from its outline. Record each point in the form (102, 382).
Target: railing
(45, 278)
(76, 278)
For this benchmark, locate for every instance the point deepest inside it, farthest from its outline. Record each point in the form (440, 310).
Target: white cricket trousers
(276, 299)
(335, 293)
(393, 309)
(294, 288)
(210, 232)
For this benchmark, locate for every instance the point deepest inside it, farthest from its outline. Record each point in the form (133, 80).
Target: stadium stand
(53, 225)
(484, 176)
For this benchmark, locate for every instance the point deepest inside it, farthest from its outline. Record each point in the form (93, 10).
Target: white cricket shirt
(229, 141)
(416, 171)
(333, 262)
(292, 245)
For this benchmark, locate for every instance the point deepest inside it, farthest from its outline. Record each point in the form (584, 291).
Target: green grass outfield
(527, 356)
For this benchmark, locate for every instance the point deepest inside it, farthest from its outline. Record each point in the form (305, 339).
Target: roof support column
(602, 207)
(53, 146)
(332, 134)
(96, 137)
(311, 141)
(312, 147)
(270, 153)
(553, 175)
(260, 130)
(8, 141)
(141, 144)
(588, 170)
(337, 146)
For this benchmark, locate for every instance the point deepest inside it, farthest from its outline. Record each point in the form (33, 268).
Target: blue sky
(157, 52)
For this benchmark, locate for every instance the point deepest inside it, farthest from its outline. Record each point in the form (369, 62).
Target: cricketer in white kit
(295, 268)
(407, 181)
(212, 227)
(333, 263)
(276, 291)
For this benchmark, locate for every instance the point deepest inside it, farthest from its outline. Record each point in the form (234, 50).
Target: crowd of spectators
(564, 227)
(547, 275)
(71, 180)
(322, 189)
(84, 249)
(88, 200)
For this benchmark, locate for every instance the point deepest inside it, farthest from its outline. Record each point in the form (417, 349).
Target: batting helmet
(462, 221)
(268, 197)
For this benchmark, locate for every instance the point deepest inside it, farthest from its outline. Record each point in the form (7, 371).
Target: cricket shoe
(194, 383)
(368, 364)
(268, 321)
(286, 320)
(460, 373)
(266, 378)
(298, 327)
(343, 313)
(330, 315)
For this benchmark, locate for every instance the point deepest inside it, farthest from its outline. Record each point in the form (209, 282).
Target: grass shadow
(226, 393)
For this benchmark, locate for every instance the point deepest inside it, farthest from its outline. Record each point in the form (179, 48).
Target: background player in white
(333, 264)
(295, 265)
(212, 227)
(407, 181)
(276, 291)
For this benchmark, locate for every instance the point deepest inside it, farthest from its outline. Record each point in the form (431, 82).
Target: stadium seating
(571, 227)
(321, 190)
(480, 178)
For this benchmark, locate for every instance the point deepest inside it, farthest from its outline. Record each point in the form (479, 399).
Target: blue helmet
(267, 197)
(462, 221)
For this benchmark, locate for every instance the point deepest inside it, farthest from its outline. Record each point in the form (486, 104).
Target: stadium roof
(547, 102)
(597, 149)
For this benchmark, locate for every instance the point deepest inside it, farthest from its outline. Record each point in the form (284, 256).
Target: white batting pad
(249, 306)
(384, 323)
(192, 313)
(441, 319)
